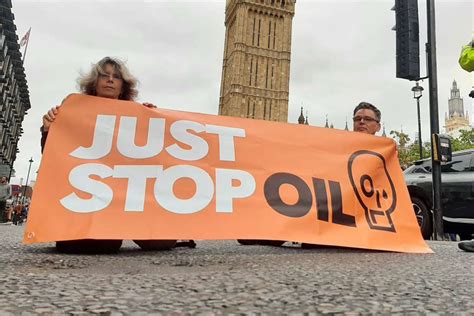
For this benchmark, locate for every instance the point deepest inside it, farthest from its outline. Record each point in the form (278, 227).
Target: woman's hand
(49, 117)
(149, 105)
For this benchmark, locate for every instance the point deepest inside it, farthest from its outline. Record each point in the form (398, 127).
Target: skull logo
(374, 188)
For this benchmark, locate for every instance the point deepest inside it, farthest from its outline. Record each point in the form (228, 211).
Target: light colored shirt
(5, 191)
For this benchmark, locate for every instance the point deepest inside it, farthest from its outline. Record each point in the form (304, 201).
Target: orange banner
(118, 170)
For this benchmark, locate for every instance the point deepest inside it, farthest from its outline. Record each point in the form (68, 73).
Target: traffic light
(407, 43)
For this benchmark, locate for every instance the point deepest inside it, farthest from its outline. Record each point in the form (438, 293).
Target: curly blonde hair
(87, 82)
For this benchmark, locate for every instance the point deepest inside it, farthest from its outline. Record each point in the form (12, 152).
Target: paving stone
(221, 277)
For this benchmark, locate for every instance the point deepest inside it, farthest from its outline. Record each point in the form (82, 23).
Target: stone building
(256, 66)
(14, 95)
(456, 119)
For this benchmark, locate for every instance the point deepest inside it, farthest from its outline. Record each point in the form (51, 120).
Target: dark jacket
(44, 135)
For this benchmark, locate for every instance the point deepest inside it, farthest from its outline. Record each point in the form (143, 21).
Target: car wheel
(423, 216)
(465, 236)
(247, 242)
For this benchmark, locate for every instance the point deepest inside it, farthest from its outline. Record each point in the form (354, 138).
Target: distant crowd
(12, 210)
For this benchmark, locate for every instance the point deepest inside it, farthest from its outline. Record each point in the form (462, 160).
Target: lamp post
(417, 93)
(27, 176)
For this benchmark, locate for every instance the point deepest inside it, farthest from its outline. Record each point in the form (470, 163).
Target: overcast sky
(343, 52)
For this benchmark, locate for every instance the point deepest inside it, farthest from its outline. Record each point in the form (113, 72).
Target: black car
(457, 194)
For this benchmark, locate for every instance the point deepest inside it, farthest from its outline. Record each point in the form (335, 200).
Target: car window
(409, 170)
(416, 169)
(426, 169)
(426, 166)
(458, 164)
(423, 167)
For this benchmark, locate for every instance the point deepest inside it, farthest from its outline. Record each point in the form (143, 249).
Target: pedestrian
(24, 216)
(5, 194)
(108, 78)
(9, 211)
(466, 61)
(17, 210)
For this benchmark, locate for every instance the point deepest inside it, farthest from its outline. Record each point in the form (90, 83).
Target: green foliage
(464, 141)
(408, 153)
(405, 154)
(401, 138)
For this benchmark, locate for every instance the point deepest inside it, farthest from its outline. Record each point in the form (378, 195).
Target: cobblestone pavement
(222, 277)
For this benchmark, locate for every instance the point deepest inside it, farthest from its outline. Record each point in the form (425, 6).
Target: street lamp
(27, 176)
(417, 93)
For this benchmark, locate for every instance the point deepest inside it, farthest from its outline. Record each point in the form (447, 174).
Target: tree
(406, 154)
(464, 141)
(409, 153)
(401, 138)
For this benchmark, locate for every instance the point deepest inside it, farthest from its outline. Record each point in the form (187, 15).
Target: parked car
(457, 194)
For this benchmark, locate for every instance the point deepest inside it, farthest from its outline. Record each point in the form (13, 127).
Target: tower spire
(301, 118)
(456, 118)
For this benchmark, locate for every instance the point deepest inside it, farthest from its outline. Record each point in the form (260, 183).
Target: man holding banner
(366, 119)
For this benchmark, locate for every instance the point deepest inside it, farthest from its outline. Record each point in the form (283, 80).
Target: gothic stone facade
(256, 67)
(456, 120)
(14, 95)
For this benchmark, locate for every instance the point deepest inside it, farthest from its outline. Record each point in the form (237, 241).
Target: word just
(197, 148)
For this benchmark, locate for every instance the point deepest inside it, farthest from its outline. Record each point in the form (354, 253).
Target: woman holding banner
(109, 78)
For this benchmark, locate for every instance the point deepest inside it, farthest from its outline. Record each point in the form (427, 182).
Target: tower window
(259, 27)
(274, 34)
(265, 110)
(256, 74)
(271, 81)
(253, 33)
(250, 72)
(269, 32)
(266, 77)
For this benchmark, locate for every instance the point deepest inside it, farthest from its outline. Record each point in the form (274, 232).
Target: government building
(456, 119)
(14, 95)
(257, 53)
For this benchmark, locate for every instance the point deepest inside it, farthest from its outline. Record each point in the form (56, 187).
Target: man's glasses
(366, 119)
